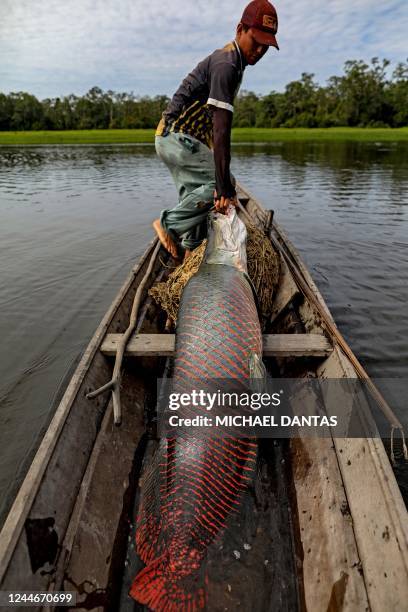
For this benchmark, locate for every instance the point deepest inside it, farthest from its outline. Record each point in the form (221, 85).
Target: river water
(74, 219)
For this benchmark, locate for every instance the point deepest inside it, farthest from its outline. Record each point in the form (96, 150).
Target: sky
(53, 48)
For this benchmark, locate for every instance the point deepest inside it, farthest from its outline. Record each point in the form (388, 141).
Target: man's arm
(225, 191)
(224, 84)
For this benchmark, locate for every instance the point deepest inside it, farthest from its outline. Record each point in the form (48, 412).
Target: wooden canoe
(330, 534)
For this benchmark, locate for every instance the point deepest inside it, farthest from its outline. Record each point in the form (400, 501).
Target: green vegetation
(238, 135)
(364, 96)
(78, 137)
(328, 134)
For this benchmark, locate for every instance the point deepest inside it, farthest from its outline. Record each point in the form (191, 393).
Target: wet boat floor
(253, 564)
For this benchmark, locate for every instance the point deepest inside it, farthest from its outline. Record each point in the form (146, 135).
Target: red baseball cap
(261, 16)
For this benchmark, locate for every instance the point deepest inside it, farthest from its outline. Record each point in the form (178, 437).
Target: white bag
(227, 240)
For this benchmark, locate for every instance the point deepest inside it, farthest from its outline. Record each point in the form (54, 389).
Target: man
(193, 137)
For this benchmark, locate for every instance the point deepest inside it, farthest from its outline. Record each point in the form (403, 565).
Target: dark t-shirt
(214, 82)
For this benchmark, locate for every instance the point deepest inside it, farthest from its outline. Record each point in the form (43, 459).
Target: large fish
(194, 484)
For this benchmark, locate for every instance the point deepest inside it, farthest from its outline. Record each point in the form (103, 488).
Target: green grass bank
(238, 135)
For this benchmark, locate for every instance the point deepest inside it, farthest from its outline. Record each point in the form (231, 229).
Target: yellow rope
(263, 270)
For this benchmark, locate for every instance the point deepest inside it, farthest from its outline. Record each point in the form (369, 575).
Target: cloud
(54, 47)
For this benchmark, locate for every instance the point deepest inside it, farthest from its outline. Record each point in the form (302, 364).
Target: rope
(114, 383)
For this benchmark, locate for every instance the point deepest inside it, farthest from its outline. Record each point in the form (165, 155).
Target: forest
(365, 95)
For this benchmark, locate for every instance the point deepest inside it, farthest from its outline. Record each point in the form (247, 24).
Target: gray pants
(192, 167)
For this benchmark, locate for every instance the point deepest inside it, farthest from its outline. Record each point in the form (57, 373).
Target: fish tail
(161, 588)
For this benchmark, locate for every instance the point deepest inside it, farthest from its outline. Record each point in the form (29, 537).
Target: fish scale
(193, 485)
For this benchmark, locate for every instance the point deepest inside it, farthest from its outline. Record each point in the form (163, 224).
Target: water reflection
(343, 155)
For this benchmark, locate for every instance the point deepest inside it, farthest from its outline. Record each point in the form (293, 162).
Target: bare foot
(165, 239)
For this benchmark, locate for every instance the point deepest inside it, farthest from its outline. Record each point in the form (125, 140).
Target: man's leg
(165, 238)
(191, 164)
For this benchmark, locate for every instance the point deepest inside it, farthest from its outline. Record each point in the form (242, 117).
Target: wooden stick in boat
(114, 383)
(336, 335)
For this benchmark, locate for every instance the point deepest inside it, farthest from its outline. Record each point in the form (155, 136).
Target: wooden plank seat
(274, 345)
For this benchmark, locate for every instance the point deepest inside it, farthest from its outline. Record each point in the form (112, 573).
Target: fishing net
(263, 270)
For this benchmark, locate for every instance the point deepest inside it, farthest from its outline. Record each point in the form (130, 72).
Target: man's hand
(221, 204)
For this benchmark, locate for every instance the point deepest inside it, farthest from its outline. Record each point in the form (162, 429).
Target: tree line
(364, 96)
